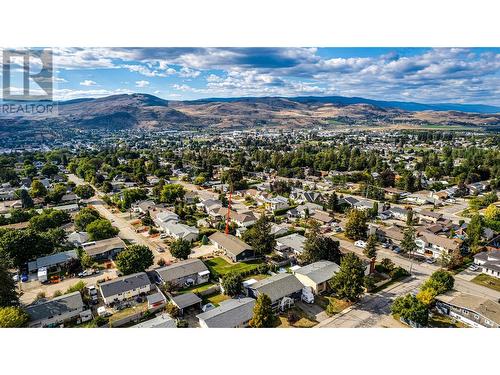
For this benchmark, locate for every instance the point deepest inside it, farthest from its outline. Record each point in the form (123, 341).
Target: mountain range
(148, 111)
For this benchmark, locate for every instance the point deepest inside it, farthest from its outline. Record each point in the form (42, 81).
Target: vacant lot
(337, 305)
(221, 266)
(487, 281)
(304, 321)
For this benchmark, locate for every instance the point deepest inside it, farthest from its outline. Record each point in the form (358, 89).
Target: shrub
(263, 268)
(292, 316)
(172, 310)
(182, 324)
(369, 283)
(398, 273)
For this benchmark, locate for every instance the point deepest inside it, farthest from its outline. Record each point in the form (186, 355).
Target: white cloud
(141, 83)
(88, 82)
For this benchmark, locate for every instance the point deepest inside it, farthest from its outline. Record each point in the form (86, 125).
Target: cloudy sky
(409, 74)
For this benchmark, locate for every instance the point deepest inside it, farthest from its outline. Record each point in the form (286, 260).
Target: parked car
(160, 249)
(24, 278)
(396, 249)
(361, 244)
(207, 307)
(88, 272)
(430, 260)
(386, 245)
(473, 267)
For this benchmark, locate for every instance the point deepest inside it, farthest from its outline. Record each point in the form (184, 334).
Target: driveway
(373, 310)
(313, 311)
(32, 289)
(202, 251)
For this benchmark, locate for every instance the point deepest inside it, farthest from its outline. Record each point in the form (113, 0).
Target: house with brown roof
(432, 245)
(232, 246)
(104, 249)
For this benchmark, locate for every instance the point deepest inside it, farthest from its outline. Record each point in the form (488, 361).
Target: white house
(489, 262)
(180, 231)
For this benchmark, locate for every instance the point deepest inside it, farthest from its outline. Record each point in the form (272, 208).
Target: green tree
(259, 236)
(441, 281)
(348, 282)
(49, 219)
(333, 202)
(492, 212)
(263, 316)
(408, 244)
(475, 231)
(409, 217)
(84, 191)
(318, 247)
(231, 283)
(22, 246)
(13, 317)
(26, 200)
(86, 216)
(180, 249)
(204, 240)
(371, 246)
(101, 229)
(8, 294)
(49, 170)
(172, 193)
(135, 258)
(37, 189)
(356, 226)
(411, 309)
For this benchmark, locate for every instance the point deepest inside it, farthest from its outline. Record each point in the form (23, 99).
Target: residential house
(233, 247)
(277, 287)
(430, 244)
(244, 219)
(231, 313)
(60, 310)
(390, 234)
(104, 249)
(316, 275)
(478, 187)
(160, 321)
(278, 230)
(180, 231)
(144, 206)
(429, 216)
(78, 238)
(474, 311)
(52, 262)
(73, 207)
(292, 243)
(322, 217)
(185, 272)
(125, 287)
(277, 203)
(165, 217)
(489, 262)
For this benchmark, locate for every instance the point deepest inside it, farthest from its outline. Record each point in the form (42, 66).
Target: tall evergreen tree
(349, 281)
(263, 316)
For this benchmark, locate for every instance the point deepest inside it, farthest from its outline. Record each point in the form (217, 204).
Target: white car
(207, 307)
(361, 244)
(473, 267)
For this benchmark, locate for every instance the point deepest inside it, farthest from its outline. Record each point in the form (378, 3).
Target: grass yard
(221, 266)
(443, 321)
(303, 322)
(487, 281)
(337, 305)
(197, 288)
(128, 311)
(258, 277)
(216, 299)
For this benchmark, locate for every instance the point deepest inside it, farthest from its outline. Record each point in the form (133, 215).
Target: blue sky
(425, 75)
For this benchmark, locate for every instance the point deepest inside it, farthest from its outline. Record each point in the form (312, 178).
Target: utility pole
(228, 216)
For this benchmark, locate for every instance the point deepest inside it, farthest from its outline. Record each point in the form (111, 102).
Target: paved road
(372, 310)
(425, 269)
(126, 230)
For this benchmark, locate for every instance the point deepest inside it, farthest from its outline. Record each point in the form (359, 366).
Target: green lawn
(443, 321)
(197, 288)
(487, 281)
(221, 266)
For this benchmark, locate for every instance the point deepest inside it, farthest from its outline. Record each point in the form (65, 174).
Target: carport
(186, 300)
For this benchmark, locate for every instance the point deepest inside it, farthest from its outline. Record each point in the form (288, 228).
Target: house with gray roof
(231, 313)
(277, 287)
(161, 321)
(125, 287)
(186, 272)
(180, 231)
(52, 261)
(292, 243)
(60, 310)
(489, 262)
(104, 249)
(316, 275)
